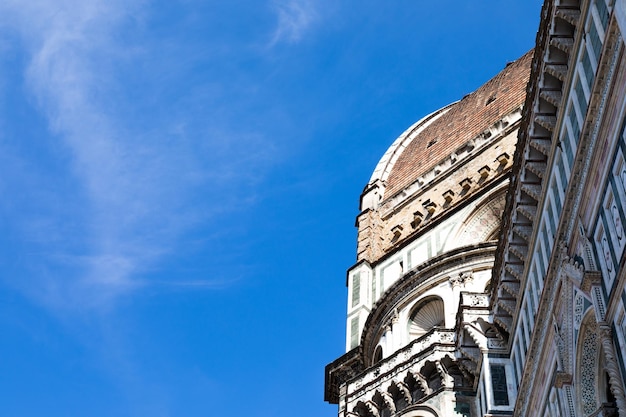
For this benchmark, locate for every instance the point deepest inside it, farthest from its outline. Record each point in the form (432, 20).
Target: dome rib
(430, 140)
(386, 163)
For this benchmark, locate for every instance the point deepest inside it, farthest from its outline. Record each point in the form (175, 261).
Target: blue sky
(179, 183)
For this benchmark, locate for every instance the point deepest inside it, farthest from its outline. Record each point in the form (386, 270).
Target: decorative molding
(461, 279)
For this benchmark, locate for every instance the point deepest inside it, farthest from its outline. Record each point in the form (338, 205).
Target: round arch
(592, 387)
(483, 223)
(419, 411)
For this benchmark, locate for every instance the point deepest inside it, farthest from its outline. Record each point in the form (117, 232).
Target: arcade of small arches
(406, 394)
(439, 361)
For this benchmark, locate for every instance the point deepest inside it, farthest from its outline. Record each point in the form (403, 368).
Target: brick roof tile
(464, 121)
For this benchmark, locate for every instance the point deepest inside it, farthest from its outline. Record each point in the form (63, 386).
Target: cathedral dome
(425, 144)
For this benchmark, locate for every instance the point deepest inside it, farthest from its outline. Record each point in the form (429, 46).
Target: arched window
(426, 315)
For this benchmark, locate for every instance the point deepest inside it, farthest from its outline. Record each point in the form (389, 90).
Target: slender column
(396, 333)
(612, 368)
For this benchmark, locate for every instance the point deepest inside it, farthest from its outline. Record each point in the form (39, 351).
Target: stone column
(612, 368)
(397, 335)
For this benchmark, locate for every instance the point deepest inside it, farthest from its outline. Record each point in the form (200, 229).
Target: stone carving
(405, 391)
(372, 408)
(422, 382)
(570, 401)
(407, 360)
(496, 344)
(446, 337)
(461, 279)
(475, 300)
(562, 378)
(612, 368)
(476, 336)
(572, 269)
(579, 304)
(587, 251)
(589, 371)
(471, 353)
(386, 401)
(560, 345)
(446, 379)
(566, 322)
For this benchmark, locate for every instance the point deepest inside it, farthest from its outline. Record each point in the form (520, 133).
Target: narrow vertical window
(582, 100)
(563, 178)
(522, 333)
(354, 332)
(356, 289)
(373, 286)
(603, 12)
(566, 140)
(573, 118)
(498, 383)
(588, 68)
(596, 42)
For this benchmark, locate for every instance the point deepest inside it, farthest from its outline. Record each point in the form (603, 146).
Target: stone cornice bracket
(422, 382)
(405, 391)
(466, 184)
(472, 354)
(612, 368)
(477, 337)
(446, 378)
(418, 216)
(468, 367)
(388, 401)
(430, 207)
(372, 408)
(503, 159)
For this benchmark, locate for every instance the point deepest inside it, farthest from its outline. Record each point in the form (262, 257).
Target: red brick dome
(432, 139)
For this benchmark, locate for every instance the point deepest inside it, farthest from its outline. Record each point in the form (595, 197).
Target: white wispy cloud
(294, 18)
(125, 204)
